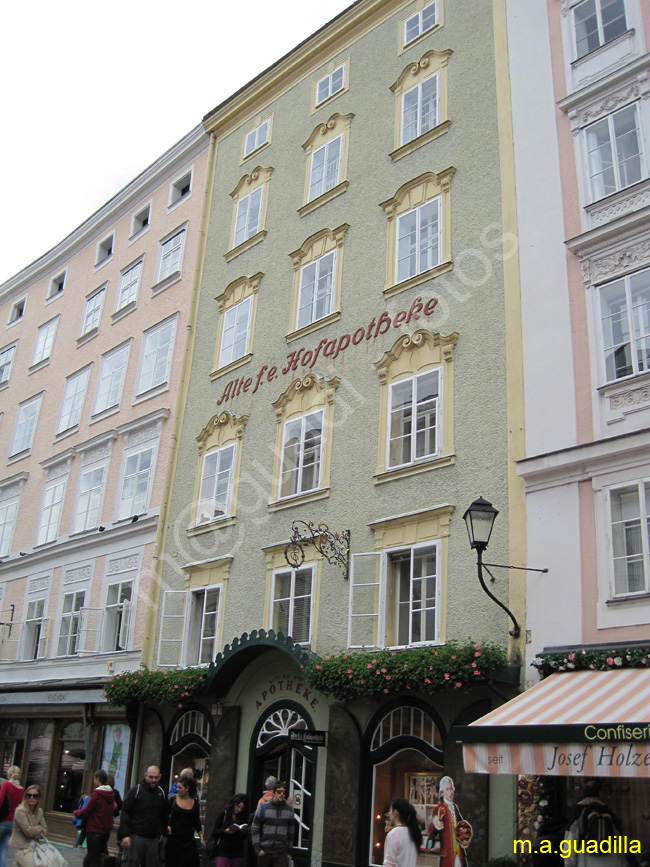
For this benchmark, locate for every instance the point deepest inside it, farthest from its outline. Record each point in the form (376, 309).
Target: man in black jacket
(144, 820)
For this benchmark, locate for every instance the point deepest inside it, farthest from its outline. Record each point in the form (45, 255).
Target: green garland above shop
(420, 669)
(594, 658)
(171, 686)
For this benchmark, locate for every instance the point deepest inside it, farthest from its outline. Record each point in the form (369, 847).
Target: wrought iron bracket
(334, 547)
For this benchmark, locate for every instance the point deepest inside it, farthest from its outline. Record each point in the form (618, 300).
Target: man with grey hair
(269, 782)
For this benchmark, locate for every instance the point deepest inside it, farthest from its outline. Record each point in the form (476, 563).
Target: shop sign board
(308, 737)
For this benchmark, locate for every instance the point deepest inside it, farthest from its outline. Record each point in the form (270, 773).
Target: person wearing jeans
(13, 793)
(98, 813)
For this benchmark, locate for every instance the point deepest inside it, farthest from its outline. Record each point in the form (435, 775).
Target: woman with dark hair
(184, 820)
(229, 833)
(405, 837)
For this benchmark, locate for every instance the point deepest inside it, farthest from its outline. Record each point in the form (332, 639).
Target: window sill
(15, 321)
(420, 141)
(255, 152)
(330, 98)
(39, 364)
(152, 392)
(18, 456)
(139, 233)
(54, 297)
(619, 203)
(209, 526)
(84, 338)
(323, 198)
(103, 262)
(62, 434)
(418, 39)
(629, 597)
(233, 365)
(123, 311)
(179, 201)
(594, 52)
(389, 291)
(104, 414)
(298, 499)
(382, 475)
(161, 285)
(245, 245)
(4, 384)
(313, 326)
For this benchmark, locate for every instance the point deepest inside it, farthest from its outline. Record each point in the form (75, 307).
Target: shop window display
(38, 755)
(13, 745)
(72, 764)
(115, 754)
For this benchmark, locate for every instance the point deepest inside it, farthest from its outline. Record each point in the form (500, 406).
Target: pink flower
(572, 656)
(349, 671)
(644, 660)
(369, 665)
(374, 661)
(405, 665)
(327, 657)
(426, 680)
(175, 686)
(385, 690)
(446, 675)
(430, 668)
(388, 677)
(349, 677)
(453, 656)
(407, 686)
(383, 671)
(610, 661)
(318, 667)
(477, 646)
(180, 705)
(360, 681)
(477, 654)
(344, 656)
(477, 672)
(473, 665)
(459, 685)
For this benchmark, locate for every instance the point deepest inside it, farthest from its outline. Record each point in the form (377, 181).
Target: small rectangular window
(325, 167)
(34, 631)
(117, 617)
(93, 311)
(216, 485)
(414, 420)
(57, 285)
(104, 250)
(136, 483)
(180, 188)
(316, 289)
(236, 330)
(129, 283)
(615, 152)
(412, 592)
(17, 311)
(48, 525)
(203, 633)
(257, 137)
(597, 22)
(26, 425)
(156, 357)
(418, 240)
(171, 255)
(111, 379)
(70, 628)
(420, 109)
(73, 400)
(89, 498)
(292, 603)
(630, 521)
(249, 211)
(625, 317)
(8, 514)
(140, 220)
(330, 84)
(423, 21)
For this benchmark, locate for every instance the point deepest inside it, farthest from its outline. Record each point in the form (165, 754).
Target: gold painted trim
(228, 368)
(315, 246)
(245, 245)
(414, 469)
(323, 198)
(420, 141)
(299, 499)
(417, 279)
(208, 527)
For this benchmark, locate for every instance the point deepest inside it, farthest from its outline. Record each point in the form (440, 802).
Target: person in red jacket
(98, 813)
(11, 792)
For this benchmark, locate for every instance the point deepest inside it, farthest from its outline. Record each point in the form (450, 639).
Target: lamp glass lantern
(479, 519)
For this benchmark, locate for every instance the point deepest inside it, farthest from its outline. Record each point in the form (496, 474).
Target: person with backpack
(596, 822)
(144, 820)
(98, 814)
(273, 829)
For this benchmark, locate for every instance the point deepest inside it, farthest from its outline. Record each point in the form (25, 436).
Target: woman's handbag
(47, 855)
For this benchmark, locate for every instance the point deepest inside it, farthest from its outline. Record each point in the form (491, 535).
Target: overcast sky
(93, 92)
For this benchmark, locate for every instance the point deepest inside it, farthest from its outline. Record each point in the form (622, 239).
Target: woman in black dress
(229, 834)
(184, 821)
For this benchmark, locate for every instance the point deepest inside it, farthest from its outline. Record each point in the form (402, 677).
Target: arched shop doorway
(272, 754)
(189, 744)
(405, 759)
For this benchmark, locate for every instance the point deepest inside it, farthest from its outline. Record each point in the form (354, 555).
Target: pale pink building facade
(94, 336)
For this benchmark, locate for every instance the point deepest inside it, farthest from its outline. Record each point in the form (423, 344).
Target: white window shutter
(172, 627)
(365, 627)
(124, 636)
(42, 639)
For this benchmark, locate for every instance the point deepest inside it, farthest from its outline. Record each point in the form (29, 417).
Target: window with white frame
(596, 23)
(104, 250)
(413, 593)
(111, 379)
(325, 167)
(116, 630)
(421, 22)
(180, 188)
(73, 400)
(6, 361)
(301, 454)
(257, 137)
(70, 625)
(630, 518)
(420, 108)
(236, 330)
(171, 255)
(203, 633)
(247, 221)
(156, 356)
(625, 317)
(89, 498)
(418, 240)
(93, 311)
(44, 341)
(216, 484)
(292, 602)
(129, 284)
(136, 483)
(414, 419)
(57, 285)
(330, 84)
(51, 507)
(316, 289)
(34, 636)
(140, 220)
(26, 425)
(17, 311)
(614, 152)
(8, 514)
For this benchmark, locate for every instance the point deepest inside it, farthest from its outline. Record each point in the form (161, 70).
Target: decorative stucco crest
(259, 173)
(437, 59)
(624, 205)
(620, 262)
(629, 398)
(421, 339)
(123, 564)
(223, 422)
(74, 576)
(336, 123)
(327, 387)
(609, 104)
(38, 584)
(319, 243)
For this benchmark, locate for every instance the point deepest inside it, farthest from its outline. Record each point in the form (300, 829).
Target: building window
(318, 270)
(237, 309)
(596, 23)
(630, 516)
(250, 198)
(171, 256)
(111, 379)
(422, 22)
(93, 312)
(26, 425)
(73, 400)
(6, 361)
(301, 455)
(414, 419)
(104, 250)
(34, 631)
(89, 498)
(420, 109)
(325, 167)
(117, 617)
(141, 220)
(8, 513)
(625, 316)
(421, 103)
(413, 593)
(44, 341)
(17, 311)
(57, 285)
(129, 285)
(203, 634)
(331, 84)
(247, 221)
(614, 152)
(156, 357)
(236, 331)
(48, 525)
(216, 485)
(257, 137)
(70, 629)
(316, 289)
(180, 189)
(418, 231)
(327, 160)
(136, 483)
(292, 603)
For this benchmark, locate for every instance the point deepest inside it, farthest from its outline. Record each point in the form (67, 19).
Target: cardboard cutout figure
(455, 832)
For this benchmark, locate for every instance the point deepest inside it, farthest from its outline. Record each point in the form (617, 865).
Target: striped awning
(581, 723)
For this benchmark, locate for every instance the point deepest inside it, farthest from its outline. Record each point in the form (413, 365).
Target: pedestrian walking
(267, 794)
(184, 820)
(404, 840)
(11, 796)
(98, 815)
(228, 836)
(144, 820)
(273, 829)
